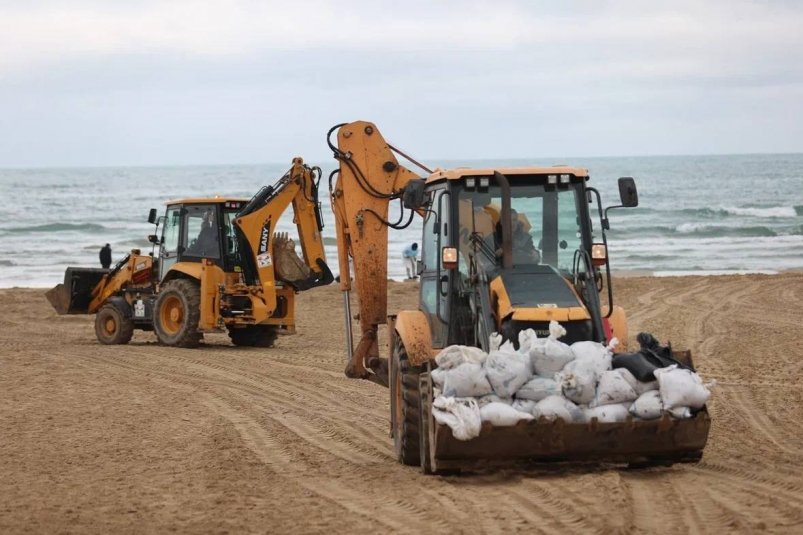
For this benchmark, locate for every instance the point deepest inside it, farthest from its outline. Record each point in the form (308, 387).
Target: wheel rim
(109, 326)
(171, 314)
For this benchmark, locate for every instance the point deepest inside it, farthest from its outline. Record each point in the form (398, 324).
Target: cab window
(201, 231)
(171, 229)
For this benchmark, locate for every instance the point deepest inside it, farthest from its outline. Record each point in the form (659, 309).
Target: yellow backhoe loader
(503, 249)
(217, 264)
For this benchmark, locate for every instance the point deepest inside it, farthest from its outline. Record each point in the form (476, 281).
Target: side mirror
(628, 193)
(154, 239)
(152, 216)
(413, 195)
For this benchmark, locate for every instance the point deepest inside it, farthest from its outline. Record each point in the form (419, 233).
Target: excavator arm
(256, 225)
(369, 179)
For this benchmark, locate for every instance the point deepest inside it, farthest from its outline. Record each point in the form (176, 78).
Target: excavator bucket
(289, 267)
(636, 442)
(75, 294)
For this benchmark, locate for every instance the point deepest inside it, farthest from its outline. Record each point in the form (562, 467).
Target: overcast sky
(216, 82)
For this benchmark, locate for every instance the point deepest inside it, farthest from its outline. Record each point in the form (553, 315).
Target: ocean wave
(59, 227)
(703, 229)
(749, 211)
(7, 263)
(772, 211)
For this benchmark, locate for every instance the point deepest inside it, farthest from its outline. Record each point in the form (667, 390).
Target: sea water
(697, 214)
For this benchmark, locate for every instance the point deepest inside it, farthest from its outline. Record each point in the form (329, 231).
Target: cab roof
(460, 172)
(217, 199)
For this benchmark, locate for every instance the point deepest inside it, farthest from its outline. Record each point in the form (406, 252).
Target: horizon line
(512, 158)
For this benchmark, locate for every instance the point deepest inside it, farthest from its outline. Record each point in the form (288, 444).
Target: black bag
(649, 358)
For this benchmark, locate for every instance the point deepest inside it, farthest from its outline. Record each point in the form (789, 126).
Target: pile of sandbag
(546, 378)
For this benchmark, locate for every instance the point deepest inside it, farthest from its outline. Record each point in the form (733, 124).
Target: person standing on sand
(106, 256)
(409, 256)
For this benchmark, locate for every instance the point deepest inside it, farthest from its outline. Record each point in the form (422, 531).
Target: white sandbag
(558, 408)
(551, 356)
(593, 356)
(588, 350)
(681, 388)
(608, 413)
(639, 386)
(578, 385)
(527, 339)
(494, 341)
(466, 380)
(453, 356)
(681, 413)
(502, 414)
(648, 406)
(437, 375)
(538, 388)
(493, 398)
(613, 388)
(524, 405)
(462, 415)
(507, 371)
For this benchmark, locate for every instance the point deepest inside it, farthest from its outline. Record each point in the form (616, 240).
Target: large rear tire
(253, 335)
(112, 327)
(176, 314)
(405, 407)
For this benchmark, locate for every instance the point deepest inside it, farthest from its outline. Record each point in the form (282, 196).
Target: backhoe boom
(370, 177)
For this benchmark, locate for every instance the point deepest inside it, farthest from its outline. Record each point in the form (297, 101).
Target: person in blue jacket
(409, 256)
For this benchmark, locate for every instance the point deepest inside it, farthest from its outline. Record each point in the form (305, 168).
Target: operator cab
(548, 272)
(197, 229)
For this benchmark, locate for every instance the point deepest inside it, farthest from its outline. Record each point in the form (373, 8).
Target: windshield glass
(544, 223)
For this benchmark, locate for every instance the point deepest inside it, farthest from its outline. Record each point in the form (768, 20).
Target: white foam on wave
(772, 211)
(716, 272)
(637, 245)
(689, 228)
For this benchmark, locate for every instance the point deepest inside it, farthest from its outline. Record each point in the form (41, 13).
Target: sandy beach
(144, 438)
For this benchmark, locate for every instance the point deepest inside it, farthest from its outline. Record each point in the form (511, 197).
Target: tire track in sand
(397, 514)
(265, 447)
(742, 402)
(337, 443)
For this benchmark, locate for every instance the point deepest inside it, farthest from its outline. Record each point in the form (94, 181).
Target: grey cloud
(445, 80)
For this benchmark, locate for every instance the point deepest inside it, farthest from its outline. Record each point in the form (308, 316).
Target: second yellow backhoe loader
(217, 264)
(503, 249)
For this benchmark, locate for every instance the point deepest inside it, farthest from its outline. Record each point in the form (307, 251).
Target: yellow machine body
(504, 298)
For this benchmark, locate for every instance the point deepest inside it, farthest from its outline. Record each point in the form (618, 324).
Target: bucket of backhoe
(75, 294)
(635, 442)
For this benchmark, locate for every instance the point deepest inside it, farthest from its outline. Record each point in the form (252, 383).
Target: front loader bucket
(75, 294)
(636, 442)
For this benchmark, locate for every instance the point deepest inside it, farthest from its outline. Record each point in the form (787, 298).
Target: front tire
(177, 312)
(405, 407)
(112, 327)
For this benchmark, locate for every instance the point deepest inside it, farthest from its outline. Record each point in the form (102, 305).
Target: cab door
(171, 233)
(436, 281)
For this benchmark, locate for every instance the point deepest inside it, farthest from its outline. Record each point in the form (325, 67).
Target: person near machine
(409, 256)
(207, 241)
(524, 250)
(105, 256)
